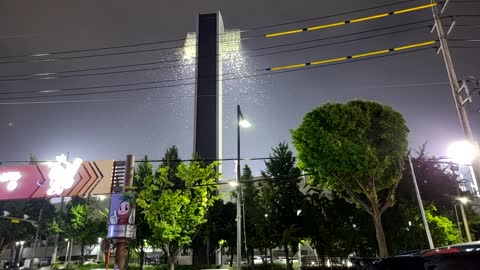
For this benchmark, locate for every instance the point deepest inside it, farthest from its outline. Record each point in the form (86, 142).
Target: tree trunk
(55, 249)
(323, 261)
(82, 252)
(289, 265)
(380, 234)
(142, 257)
(171, 262)
(271, 256)
(231, 259)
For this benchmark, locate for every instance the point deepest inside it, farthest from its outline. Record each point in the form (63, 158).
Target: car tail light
(441, 251)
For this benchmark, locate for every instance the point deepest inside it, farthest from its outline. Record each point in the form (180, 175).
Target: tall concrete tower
(208, 94)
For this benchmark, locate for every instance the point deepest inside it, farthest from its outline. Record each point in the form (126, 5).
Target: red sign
(57, 179)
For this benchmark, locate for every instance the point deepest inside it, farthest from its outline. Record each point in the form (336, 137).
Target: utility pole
(57, 236)
(121, 251)
(420, 204)
(454, 83)
(36, 237)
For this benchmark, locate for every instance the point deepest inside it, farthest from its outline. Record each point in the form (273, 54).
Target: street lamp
(462, 152)
(241, 122)
(465, 153)
(465, 200)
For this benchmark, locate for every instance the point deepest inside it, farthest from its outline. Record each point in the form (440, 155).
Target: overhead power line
(59, 52)
(54, 74)
(362, 19)
(344, 58)
(193, 96)
(223, 79)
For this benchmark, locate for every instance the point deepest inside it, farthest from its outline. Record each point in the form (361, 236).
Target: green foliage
(175, 207)
(438, 187)
(356, 149)
(281, 199)
(11, 232)
(335, 227)
(144, 170)
(444, 232)
(83, 224)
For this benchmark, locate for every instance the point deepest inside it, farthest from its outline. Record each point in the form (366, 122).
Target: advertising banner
(121, 218)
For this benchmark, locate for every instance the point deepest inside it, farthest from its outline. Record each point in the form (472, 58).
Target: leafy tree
(438, 187)
(174, 215)
(253, 215)
(357, 150)
(144, 170)
(12, 232)
(83, 224)
(335, 227)
(282, 198)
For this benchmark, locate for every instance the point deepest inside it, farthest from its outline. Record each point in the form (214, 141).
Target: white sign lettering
(62, 173)
(11, 178)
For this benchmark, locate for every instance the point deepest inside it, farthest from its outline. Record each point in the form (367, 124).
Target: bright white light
(299, 212)
(99, 240)
(12, 179)
(266, 215)
(244, 123)
(101, 197)
(462, 152)
(62, 173)
(12, 185)
(25, 216)
(463, 200)
(6, 213)
(410, 223)
(233, 184)
(66, 239)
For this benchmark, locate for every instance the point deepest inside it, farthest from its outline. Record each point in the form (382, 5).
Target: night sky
(147, 122)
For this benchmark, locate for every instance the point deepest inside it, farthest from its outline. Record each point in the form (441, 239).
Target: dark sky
(147, 122)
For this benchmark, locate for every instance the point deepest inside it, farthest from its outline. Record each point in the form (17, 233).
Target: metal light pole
(36, 237)
(66, 252)
(464, 218)
(458, 221)
(241, 122)
(420, 204)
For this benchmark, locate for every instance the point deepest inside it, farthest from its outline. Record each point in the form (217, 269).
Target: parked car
(257, 260)
(462, 256)
(44, 262)
(90, 261)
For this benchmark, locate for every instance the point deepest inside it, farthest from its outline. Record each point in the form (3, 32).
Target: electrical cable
(344, 58)
(183, 39)
(194, 96)
(357, 20)
(37, 76)
(225, 79)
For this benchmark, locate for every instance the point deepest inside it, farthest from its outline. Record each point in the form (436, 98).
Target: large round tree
(357, 150)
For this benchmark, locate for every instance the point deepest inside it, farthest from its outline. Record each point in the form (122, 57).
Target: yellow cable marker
(325, 26)
(284, 33)
(377, 16)
(331, 60)
(369, 18)
(414, 8)
(370, 53)
(415, 45)
(328, 61)
(289, 66)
